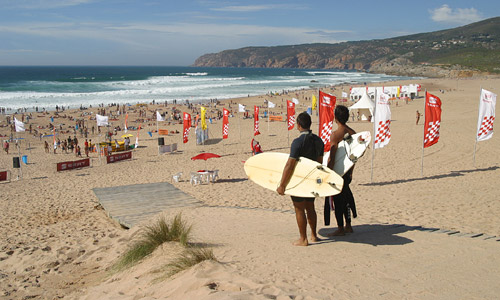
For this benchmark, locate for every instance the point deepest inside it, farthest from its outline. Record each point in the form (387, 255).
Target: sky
(176, 32)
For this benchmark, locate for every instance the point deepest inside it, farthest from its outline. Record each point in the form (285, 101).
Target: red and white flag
(432, 120)
(225, 123)
(382, 121)
(290, 112)
(126, 119)
(326, 107)
(187, 127)
(486, 115)
(256, 121)
(137, 137)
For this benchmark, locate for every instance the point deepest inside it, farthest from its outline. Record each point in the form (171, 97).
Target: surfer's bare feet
(348, 229)
(338, 232)
(300, 242)
(315, 239)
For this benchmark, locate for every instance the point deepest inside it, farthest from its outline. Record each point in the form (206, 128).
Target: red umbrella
(205, 156)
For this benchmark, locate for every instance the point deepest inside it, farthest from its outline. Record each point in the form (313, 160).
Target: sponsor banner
(70, 165)
(162, 131)
(3, 176)
(120, 156)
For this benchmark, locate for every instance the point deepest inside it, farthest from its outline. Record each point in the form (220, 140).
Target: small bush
(190, 257)
(152, 237)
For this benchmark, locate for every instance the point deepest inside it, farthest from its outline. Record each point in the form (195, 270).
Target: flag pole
(423, 138)
(374, 134)
(478, 115)
(18, 145)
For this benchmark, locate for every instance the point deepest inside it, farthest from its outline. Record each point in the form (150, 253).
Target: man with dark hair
(344, 201)
(310, 146)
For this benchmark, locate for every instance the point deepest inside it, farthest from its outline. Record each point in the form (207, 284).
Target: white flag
(19, 125)
(295, 101)
(382, 121)
(101, 120)
(241, 108)
(136, 142)
(344, 95)
(270, 104)
(486, 115)
(159, 118)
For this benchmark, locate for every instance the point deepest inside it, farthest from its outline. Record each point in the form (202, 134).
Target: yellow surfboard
(309, 179)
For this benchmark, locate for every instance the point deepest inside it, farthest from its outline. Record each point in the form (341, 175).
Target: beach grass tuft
(192, 256)
(154, 236)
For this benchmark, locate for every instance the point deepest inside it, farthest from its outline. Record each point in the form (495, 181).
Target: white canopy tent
(365, 106)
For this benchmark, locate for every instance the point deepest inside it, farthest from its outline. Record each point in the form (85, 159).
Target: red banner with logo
(256, 121)
(120, 156)
(70, 165)
(225, 123)
(290, 113)
(3, 176)
(187, 127)
(432, 120)
(326, 107)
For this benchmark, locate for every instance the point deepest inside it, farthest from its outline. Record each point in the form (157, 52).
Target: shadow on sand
(372, 234)
(451, 174)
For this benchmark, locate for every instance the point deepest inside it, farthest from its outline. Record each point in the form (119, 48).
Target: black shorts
(301, 199)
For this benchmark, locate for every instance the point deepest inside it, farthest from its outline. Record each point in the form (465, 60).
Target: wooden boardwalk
(132, 204)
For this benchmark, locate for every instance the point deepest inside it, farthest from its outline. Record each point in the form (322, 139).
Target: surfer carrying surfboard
(344, 201)
(310, 146)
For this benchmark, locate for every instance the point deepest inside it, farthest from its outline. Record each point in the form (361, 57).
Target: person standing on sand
(418, 117)
(344, 201)
(310, 146)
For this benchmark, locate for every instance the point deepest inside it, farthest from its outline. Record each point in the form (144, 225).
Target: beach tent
(365, 106)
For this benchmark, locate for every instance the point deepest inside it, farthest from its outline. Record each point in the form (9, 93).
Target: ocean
(46, 87)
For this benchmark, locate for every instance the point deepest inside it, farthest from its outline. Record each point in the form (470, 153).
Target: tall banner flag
(314, 102)
(326, 107)
(270, 104)
(126, 119)
(19, 125)
(225, 123)
(382, 121)
(241, 108)
(432, 119)
(256, 121)
(290, 112)
(187, 127)
(203, 118)
(137, 137)
(101, 120)
(159, 117)
(486, 115)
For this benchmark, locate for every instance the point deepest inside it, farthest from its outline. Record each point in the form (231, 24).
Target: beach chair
(195, 178)
(214, 175)
(177, 177)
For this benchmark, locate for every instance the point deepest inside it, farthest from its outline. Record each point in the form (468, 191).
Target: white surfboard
(309, 179)
(349, 151)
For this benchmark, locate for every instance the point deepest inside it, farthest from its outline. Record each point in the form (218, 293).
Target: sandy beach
(58, 242)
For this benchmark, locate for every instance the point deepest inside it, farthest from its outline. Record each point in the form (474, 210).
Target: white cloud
(460, 16)
(246, 8)
(41, 4)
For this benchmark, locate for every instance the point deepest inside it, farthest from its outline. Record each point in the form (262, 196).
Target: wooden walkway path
(132, 204)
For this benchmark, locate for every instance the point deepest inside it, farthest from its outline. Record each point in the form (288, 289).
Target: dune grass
(152, 237)
(192, 256)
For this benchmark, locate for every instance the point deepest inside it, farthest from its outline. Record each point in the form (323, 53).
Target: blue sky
(175, 33)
